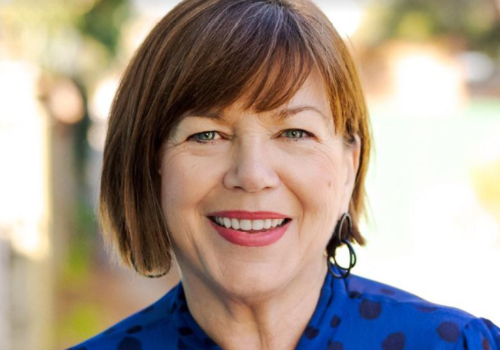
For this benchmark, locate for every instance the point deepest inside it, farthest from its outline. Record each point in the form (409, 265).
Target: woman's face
(256, 162)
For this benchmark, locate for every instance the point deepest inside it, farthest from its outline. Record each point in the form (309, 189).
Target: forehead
(312, 92)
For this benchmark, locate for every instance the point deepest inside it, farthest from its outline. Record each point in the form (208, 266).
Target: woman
(238, 143)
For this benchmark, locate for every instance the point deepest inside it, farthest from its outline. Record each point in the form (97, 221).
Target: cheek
(184, 182)
(316, 184)
(319, 175)
(172, 180)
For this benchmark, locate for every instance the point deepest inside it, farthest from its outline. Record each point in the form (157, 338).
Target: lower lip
(259, 239)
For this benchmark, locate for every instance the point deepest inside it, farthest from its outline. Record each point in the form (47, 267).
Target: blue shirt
(352, 314)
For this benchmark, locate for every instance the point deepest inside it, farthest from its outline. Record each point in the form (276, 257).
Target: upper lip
(249, 215)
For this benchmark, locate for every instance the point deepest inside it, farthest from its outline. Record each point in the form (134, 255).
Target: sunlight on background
(23, 155)
(427, 83)
(100, 104)
(431, 230)
(346, 15)
(65, 102)
(25, 204)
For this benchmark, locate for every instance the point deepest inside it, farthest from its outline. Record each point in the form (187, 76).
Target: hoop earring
(145, 275)
(337, 241)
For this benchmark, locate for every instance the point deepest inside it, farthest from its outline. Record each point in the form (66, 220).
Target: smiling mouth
(286, 221)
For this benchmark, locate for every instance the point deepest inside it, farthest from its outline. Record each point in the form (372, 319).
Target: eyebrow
(281, 115)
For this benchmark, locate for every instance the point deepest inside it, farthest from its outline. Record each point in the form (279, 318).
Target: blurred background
(431, 71)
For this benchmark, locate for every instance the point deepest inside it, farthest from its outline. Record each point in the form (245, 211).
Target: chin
(253, 282)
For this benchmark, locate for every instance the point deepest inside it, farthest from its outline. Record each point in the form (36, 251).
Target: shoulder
(133, 331)
(408, 318)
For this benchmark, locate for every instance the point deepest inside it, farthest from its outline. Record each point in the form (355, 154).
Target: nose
(251, 167)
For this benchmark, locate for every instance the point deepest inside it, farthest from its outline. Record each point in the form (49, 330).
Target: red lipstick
(248, 215)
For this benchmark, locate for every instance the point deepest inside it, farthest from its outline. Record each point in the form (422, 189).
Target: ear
(352, 151)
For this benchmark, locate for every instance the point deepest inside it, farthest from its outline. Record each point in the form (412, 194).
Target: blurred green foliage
(40, 27)
(474, 22)
(77, 40)
(83, 320)
(104, 21)
(76, 271)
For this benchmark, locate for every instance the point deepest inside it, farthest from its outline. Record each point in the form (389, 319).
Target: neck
(275, 321)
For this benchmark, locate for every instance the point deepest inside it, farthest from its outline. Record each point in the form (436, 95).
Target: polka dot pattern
(129, 343)
(426, 309)
(355, 295)
(370, 310)
(448, 331)
(134, 329)
(335, 321)
(185, 331)
(395, 341)
(335, 346)
(350, 314)
(311, 332)
(387, 291)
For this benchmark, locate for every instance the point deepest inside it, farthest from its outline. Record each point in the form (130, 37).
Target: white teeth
(257, 224)
(235, 224)
(247, 225)
(268, 223)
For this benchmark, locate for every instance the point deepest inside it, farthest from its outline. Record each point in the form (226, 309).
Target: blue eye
(205, 135)
(294, 135)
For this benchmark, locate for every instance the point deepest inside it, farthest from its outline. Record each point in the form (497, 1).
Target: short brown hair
(206, 55)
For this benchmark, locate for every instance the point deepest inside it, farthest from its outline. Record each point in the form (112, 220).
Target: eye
(207, 137)
(296, 133)
(204, 137)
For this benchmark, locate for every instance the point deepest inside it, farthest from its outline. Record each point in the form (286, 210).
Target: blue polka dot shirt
(352, 314)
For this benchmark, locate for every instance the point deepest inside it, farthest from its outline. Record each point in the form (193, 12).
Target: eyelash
(213, 142)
